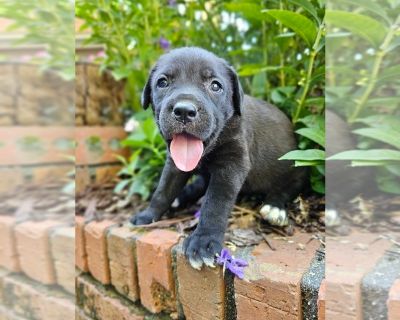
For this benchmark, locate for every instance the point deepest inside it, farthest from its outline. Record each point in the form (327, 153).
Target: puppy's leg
(171, 184)
(274, 211)
(192, 192)
(207, 240)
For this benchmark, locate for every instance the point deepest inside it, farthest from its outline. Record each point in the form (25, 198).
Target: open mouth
(186, 151)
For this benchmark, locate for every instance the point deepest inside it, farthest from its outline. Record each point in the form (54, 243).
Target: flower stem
(310, 68)
(375, 71)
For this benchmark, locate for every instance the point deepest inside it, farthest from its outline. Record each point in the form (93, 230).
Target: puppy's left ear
(237, 91)
(146, 94)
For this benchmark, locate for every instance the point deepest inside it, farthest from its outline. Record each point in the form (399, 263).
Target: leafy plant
(143, 169)
(276, 46)
(364, 90)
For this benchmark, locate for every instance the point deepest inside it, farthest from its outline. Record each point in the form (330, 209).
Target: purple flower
(236, 266)
(197, 214)
(164, 43)
(171, 3)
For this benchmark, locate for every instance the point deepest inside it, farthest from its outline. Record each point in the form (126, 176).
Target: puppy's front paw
(143, 217)
(201, 248)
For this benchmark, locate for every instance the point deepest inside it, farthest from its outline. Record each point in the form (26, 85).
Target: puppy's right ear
(146, 94)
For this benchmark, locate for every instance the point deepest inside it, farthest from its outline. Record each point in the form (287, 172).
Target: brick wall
(142, 274)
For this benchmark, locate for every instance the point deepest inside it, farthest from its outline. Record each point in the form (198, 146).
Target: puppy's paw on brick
(202, 248)
(274, 215)
(143, 217)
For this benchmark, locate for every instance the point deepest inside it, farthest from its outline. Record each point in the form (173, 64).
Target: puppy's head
(193, 94)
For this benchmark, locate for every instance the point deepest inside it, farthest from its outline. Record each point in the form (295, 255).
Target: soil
(246, 226)
(38, 202)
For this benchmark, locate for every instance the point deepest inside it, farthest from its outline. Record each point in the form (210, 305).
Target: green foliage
(276, 46)
(364, 83)
(143, 169)
(49, 23)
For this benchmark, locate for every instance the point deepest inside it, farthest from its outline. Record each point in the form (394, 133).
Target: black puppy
(232, 141)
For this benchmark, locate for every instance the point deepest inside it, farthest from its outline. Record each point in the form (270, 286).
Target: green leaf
(314, 134)
(309, 154)
(388, 182)
(367, 155)
(368, 163)
(313, 121)
(384, 134)
(252, 69)
(122, 159)
(135, 144)
(258, 85)
(121, 186)
(249, 10)
(394, 169)
(149, 129)
(121, 73)
(307, 6)
(300, 24)
(299, 163)
(389, 73)
(371, 6)
(384, 101)
(361, 25)
(140, 188)
(318, 184)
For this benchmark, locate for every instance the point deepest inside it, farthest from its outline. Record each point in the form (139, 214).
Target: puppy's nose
(184, 111)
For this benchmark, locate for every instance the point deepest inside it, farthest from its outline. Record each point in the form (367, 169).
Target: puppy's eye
(162, 83)
(216, 86)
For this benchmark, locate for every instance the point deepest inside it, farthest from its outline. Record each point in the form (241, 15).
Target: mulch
(246, 225)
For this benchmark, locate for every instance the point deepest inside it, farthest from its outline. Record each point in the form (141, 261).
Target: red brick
(62, 250)
(107, 173)
(32, 300)
(12, 137)
(271, 288)
(321, 301)
(8, 248)
(45, 174)
(393, 302)
(33, 247)
(122, 255)
(201, 292)
(80, 244)
(103, 304)
(11, 178)
(85, 156)
(348, 259)
(157, 287)
(96, 249)
(82, 178)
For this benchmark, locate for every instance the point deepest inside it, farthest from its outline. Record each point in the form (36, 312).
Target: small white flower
(181, 9)
(370, 51)
(132, 44)
(131, 125)
(358, 56)
(198, 14)
(242, 25)
(246, 46)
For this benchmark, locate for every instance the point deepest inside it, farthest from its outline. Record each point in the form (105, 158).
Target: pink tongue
(186, 151)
